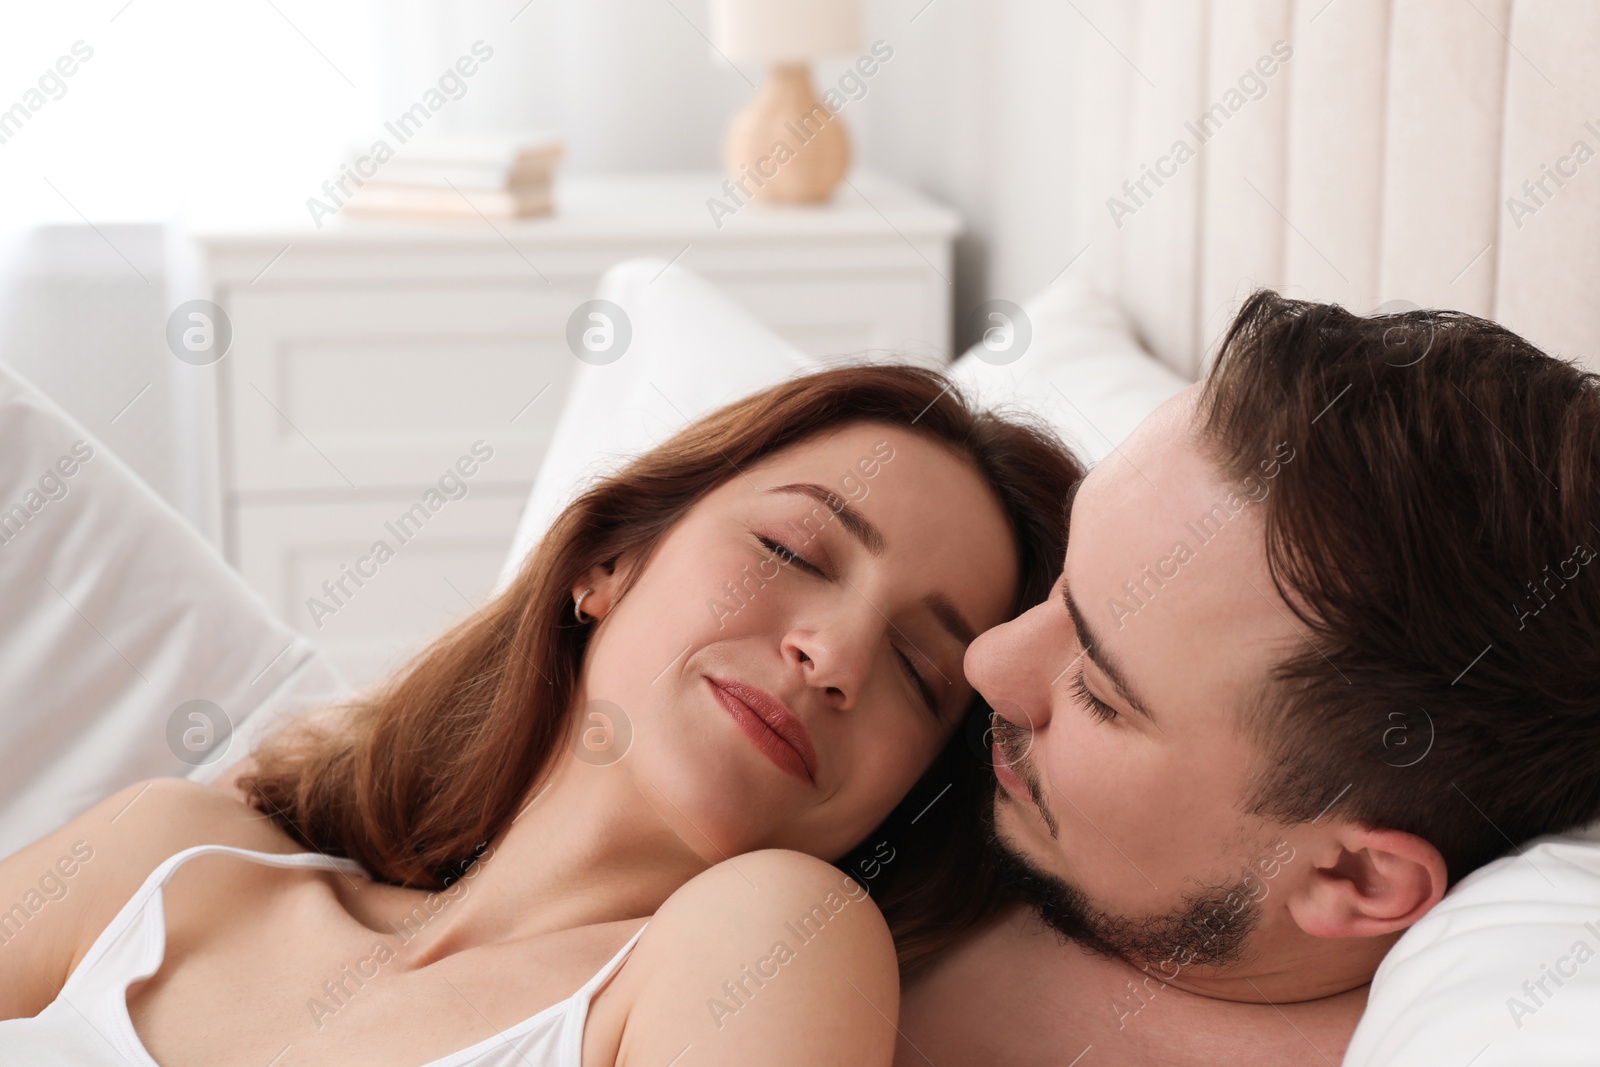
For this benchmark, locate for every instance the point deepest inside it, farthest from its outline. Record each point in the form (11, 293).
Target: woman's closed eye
(786, 555)
(920, 682)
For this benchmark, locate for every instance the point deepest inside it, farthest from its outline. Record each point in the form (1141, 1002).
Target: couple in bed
(811, 738)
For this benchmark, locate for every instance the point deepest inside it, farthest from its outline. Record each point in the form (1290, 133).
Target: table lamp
(786, 146)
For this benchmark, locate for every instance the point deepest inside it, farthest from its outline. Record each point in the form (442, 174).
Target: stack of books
(462, 177)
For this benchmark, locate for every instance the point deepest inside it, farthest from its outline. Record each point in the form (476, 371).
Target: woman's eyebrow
(854, 522)
(950, 617)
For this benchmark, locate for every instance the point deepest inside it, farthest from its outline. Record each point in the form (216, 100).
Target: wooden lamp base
(785, 146)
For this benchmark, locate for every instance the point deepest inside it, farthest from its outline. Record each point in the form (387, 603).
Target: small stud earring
(577, 607)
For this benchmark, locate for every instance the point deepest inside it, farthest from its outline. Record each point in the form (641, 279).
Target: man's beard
(1210, 929)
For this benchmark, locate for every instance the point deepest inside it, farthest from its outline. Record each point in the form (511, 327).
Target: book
(384, 198)
(435, 175)
(477, 162)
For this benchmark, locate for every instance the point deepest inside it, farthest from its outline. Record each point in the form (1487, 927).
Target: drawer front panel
(305, 559)
(372, 388)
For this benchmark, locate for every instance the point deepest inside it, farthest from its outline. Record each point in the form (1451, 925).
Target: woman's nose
(825, 662)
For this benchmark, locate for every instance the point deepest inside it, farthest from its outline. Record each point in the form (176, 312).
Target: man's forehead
(1166, 560)
(1160, 467)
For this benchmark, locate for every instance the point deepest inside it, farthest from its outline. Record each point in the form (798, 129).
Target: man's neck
(1283, 965)
(1015, 994)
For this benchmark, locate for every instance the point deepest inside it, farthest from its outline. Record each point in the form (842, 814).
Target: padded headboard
(1384, 159)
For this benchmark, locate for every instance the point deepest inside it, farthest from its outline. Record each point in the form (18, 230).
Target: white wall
(82, 323)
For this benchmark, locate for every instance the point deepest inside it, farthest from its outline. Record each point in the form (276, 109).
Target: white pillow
(1462, 985)
(1081, 368)
(117, 614)
(693, 349)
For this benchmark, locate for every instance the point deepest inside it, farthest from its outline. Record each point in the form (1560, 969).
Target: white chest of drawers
(368, 358)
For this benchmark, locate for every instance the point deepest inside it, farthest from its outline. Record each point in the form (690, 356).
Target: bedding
(693, 349)
(1082, 370)
(1504, 972)
(128, 648)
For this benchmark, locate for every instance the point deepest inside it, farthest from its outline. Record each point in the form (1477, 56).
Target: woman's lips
(770, 726)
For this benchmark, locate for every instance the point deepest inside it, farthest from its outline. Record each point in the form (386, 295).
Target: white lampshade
(787, 31)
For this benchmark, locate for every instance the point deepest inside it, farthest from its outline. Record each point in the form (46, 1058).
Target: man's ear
(1366, 883)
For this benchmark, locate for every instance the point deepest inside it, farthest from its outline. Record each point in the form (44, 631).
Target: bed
(1405, 150)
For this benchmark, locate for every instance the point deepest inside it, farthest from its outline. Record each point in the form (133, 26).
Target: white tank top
(88, 1025)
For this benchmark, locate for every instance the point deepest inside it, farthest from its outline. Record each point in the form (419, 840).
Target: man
(1327, 638)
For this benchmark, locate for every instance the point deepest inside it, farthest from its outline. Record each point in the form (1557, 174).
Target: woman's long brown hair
(415, 776)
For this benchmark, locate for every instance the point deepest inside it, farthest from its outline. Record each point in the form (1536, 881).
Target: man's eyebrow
(1108, 666)
(852, 520)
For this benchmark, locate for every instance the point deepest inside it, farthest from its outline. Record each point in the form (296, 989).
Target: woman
(721, 667)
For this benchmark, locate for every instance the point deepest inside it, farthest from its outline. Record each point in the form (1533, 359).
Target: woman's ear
(600, 588)
(1366, 883)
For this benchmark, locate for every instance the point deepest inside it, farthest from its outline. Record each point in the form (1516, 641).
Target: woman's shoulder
(745, 959)
(757, 886)
(143, 825)
(72, 882)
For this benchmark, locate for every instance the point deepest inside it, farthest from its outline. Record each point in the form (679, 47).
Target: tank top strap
(153, 947)
(587, 990)
(163, 874)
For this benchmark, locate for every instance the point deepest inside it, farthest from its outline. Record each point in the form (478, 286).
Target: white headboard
(1383, 160)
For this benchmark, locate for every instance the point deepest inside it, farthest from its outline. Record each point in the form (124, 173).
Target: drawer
(371, 387)
(287, 551)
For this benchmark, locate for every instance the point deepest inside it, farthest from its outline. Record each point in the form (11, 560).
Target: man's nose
(1007, 666)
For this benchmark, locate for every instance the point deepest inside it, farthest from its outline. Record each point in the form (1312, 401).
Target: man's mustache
(1013, 743)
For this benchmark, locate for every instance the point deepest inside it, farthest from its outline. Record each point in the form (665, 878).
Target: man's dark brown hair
(1435, 537)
